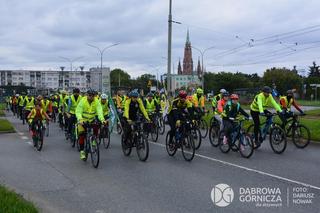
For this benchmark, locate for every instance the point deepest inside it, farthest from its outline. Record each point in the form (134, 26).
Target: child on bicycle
(231, 110)
(36, 114)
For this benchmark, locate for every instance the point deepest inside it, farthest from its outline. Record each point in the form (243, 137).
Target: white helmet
(17, 95)
(104, 96)
(223, 91)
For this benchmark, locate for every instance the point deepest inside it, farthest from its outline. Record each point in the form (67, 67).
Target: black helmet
(90, 92)
(150, 94)
(76, 90)
(266, 89)
(225, 94)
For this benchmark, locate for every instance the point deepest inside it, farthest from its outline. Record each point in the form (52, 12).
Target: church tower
(187, 60)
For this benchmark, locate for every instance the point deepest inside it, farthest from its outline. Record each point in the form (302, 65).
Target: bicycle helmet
(90, 92)
(290, 92)
(199, 91)
(234, 97)
(76, 90)
(225, 94)
(104, 96)
(182, 94)
(149, 94)
(134, 94)
(266, 89)
(223, 91)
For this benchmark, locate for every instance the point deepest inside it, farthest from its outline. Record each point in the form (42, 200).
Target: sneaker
(82, 155)
(225, 141)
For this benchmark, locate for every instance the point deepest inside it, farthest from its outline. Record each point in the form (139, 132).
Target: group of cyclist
(82, 109)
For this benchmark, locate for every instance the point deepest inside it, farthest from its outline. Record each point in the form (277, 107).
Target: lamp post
(71, 60)
(202, 52)
(101, 51)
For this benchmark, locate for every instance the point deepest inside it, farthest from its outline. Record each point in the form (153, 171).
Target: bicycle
(201, 124)
(39, 135)
(153, 128)
(239, 140)
(90, 145)
(277, 136)
(120, 122)
(300, 133)
(182, 139)
(161, 124)
(104, 136)
(214, 132)
(138, 138)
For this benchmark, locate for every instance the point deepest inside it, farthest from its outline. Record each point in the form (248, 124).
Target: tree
(283, 78)
(119, 76)
(314, 70)
(142, 81)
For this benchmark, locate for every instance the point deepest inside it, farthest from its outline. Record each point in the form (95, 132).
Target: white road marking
(251, 170)
(20, 133)
(30, 143)
(24, 138)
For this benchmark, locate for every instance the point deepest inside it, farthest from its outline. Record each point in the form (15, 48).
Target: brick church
(187, 68)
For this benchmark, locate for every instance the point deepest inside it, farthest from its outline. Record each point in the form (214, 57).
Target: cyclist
(63, 106)
(231, 110)
(87, 110)
(105, 106)
(258, 107)
(120, 100)
(21, 104)
(55, 105)
(14, 102)
(73, 102)
(133, 105)
(151, 104)
(286, 102)
(179, 107)
(37, 113)
(28, 104)
(198, 100)
(220, 107)
(216, 98)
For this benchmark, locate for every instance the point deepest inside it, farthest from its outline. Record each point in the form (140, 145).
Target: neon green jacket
(261, 102)
(87, 112)
(141, 107)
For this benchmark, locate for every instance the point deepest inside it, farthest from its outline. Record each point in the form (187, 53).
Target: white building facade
(54, 79)
(178, 81)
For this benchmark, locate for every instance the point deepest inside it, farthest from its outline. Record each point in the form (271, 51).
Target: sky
(249, 36)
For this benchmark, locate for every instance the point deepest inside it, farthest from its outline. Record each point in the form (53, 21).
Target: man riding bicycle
(73, 102)
(179, 107)
(216, 98)
(259, 107)
(36, 114)
(231, 111)
(286, 102)
(28, 105)
(105, 106)
(133, 106)
(86, 112)
(150, 103)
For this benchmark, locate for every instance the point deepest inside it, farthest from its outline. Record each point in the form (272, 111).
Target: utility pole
(169, 49)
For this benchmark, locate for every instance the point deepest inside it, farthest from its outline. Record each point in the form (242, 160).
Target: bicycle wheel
(278, 139)
(161, 126)
(154, 133)
(106, 138)
(195, 133)
(94, 152)
(126, 146)
(301, 136)
(203, 128)
(188, 148)
(224, 147)
(40, 139)
(213, 135)
(171, 147)
(119, 129)
(142, 147)
(246, 146)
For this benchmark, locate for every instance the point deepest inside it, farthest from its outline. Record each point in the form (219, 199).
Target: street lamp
(202, 52)
(101, 51)
(71, 60)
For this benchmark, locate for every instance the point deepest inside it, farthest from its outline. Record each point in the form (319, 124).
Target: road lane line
(249, 169)
(24, 138)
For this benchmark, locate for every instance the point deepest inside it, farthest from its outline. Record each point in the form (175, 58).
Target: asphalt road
(57, 181)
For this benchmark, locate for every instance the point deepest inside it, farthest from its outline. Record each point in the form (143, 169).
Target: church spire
(188, 37)
(179, 68)
(199, 70)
